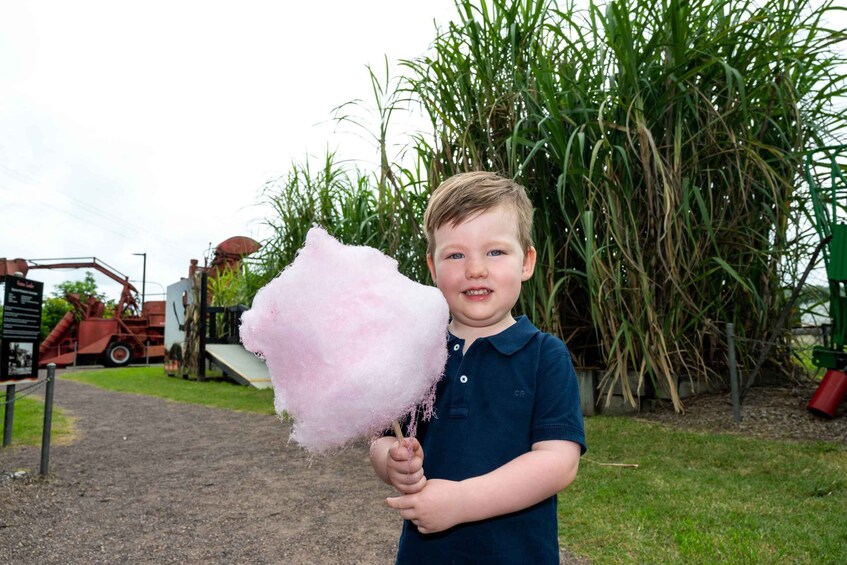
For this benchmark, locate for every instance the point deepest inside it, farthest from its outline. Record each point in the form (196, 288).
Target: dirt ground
(151, 481)
(766, 412)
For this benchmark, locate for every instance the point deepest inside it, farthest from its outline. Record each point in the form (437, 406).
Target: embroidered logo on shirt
(520, 393)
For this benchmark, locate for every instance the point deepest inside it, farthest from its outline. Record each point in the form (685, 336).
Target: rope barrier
(31, 389)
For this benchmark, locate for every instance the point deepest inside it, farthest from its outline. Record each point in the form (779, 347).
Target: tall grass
(354, 207)
(662, 144)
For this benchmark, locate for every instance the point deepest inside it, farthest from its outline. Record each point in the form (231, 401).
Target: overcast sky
(150, 127)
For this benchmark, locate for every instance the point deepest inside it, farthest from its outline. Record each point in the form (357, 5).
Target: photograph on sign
(20, 358)
(18, 361)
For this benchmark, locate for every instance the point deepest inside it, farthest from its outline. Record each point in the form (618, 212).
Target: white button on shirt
(463, 379)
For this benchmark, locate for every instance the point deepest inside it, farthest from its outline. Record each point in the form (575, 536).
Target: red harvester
(84, 336)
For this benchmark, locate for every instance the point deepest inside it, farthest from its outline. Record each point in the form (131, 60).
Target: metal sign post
(9, 415)
(48, 418)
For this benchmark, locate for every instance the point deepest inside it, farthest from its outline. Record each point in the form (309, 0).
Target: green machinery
(830, 217)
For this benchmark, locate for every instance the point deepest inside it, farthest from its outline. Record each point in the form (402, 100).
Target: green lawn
(152, 381)
(704, 498)
(694, 497)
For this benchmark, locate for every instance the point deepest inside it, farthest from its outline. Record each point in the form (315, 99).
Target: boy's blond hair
(467, 194)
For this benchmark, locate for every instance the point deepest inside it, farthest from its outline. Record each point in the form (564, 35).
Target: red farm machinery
(87, 335)
(132, 332)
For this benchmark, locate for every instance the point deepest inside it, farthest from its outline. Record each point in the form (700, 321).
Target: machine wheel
(118, 355)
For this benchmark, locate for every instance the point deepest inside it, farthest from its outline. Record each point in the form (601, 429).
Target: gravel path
(152, 481)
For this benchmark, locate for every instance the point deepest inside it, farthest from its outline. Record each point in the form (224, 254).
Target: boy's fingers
(412, 488)
(396, 502)
(406, 512)
(402, 452)
(409, 444)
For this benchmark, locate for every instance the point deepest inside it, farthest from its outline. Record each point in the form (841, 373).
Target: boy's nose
(476, 269)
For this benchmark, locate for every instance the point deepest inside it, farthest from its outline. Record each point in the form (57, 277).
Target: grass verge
(704, 498)
(28, 424)
(152, 381)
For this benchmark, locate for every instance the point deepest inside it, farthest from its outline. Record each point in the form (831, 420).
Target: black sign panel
(21, 325)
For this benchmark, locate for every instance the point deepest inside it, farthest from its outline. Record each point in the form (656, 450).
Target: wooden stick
(628, 465)
(398, 431)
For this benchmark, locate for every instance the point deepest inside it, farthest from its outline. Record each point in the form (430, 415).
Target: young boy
(507, 433)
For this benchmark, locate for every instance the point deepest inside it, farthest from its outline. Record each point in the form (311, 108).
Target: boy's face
(479, 266)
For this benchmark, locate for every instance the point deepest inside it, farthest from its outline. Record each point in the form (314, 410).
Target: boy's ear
(528, 264)
(431, 264)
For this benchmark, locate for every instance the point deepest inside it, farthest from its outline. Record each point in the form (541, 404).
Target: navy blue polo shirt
(505, 393)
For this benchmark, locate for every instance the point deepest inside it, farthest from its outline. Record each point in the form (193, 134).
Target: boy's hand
(434, 509)
(405, 466)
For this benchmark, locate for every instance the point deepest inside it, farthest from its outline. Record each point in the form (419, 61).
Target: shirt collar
(512, 339)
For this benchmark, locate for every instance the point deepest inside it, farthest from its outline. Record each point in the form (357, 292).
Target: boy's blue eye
(496, 252)
(455, 256)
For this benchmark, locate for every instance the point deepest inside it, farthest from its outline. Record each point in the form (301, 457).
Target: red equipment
(88, 337)
(829, 394)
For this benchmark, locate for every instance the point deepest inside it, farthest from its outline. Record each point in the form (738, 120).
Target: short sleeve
(557, 414)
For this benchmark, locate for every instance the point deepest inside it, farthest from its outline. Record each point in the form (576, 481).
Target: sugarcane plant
(662, 145)
(661, 142)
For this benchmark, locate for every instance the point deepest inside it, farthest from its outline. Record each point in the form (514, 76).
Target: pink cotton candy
(351, 344)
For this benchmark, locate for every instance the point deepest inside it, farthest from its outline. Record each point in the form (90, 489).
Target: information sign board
(20, 329)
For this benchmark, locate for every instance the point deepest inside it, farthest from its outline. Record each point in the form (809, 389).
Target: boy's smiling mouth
(477, 292)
